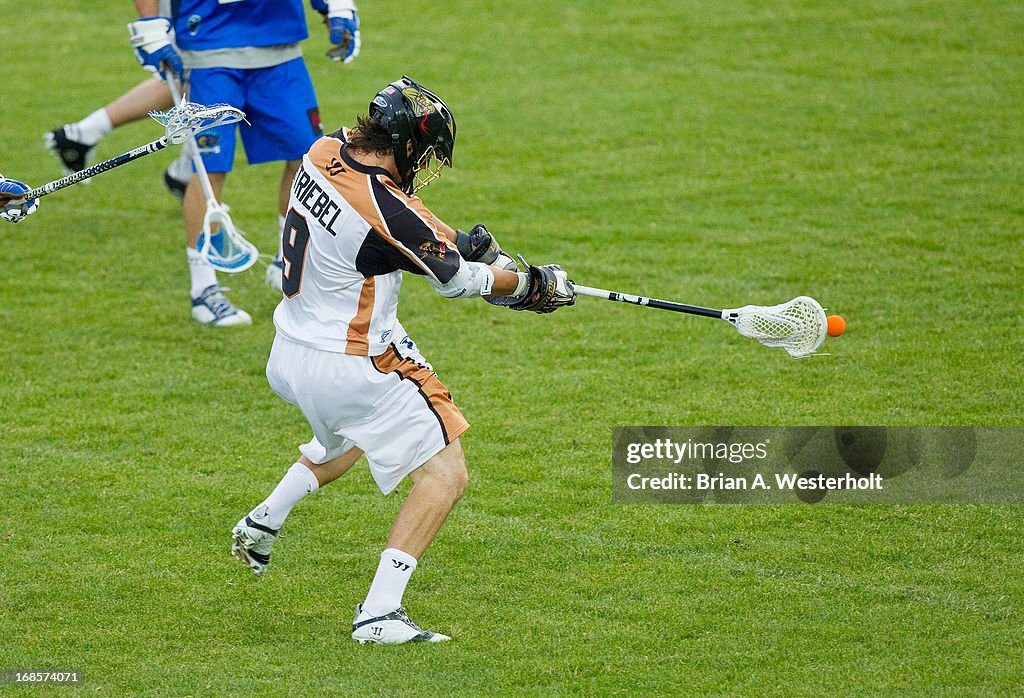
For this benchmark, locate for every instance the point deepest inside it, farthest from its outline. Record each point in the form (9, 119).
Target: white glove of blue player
(343, 22)
(151, 40)
(13, 208)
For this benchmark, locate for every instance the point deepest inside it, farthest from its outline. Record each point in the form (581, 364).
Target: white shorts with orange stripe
(392, 406)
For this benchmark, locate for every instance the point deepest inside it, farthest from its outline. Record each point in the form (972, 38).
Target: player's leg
(254, 535)
(136, 103)
(326, 473)
(178, 174)
(209, 304)
(437, 485)
(217, 147)
(280, 130)
(305, 476)
(423, 445)
(325, 458)
(275, 270)
(73, 144)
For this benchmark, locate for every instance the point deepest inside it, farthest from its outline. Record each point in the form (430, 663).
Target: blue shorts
(279, 104)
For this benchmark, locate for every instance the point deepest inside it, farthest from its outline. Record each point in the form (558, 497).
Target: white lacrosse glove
(150, 37)
(14, 209)
(343, 22)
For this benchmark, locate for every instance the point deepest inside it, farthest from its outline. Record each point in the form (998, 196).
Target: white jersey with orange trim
(349, 234)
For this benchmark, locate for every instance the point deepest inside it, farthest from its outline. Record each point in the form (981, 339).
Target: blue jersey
(201, 25)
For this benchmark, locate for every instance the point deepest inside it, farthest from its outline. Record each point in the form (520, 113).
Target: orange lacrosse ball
(836, 325)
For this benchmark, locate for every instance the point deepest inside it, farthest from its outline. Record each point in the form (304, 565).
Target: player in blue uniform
(245, 53)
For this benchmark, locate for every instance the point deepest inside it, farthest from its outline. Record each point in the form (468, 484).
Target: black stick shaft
(649, 302)
(99, 168)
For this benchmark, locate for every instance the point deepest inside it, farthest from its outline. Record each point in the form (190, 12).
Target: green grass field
(868, 154)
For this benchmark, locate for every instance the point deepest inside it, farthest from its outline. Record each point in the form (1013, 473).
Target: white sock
(280, 236)
(388, 586)
(201, 273)
(296, 484)
(90, 129)
(181, 168)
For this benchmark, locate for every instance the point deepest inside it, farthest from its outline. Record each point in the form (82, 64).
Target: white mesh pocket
(188, 118)
(797, 326)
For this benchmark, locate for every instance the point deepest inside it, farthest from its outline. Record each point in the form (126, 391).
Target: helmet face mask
(414, 115)
(427, 169)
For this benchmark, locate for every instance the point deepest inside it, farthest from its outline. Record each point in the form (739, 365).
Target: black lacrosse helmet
(411, 112)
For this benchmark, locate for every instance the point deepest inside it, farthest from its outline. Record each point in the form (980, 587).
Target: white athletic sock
(280, 236)
(296, 484)
(388, 586)
(181, 168)
(201, 273)
(90, 129)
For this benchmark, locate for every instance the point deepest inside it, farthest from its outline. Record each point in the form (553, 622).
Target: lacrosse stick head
(226, 249)
(798, 326)
(184, 120)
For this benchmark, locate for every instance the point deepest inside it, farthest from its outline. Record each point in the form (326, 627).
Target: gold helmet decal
(424, 106)
(420, 101)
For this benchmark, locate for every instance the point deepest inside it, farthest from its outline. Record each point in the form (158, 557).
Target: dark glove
(548, 289)
(478, 245)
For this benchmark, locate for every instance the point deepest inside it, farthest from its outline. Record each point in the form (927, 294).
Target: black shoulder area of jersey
(377, 256)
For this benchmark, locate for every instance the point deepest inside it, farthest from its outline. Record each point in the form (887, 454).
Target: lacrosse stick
(798, 326)
(180, 123)
(227, 249)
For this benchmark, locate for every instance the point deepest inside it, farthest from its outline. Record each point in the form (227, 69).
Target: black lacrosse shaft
(99, 168)
(665, 305)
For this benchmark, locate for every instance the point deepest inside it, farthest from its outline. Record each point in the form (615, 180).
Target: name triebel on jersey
(316, 201)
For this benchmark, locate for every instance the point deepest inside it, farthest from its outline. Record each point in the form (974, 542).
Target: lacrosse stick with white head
(799, 326)
(220, 242)
(180, 123)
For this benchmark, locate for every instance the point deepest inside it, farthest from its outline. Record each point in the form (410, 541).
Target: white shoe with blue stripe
(213, 308)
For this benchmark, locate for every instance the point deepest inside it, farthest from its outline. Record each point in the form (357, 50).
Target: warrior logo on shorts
(208, 142)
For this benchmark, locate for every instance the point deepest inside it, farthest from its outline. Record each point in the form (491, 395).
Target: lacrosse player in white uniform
(340, 354)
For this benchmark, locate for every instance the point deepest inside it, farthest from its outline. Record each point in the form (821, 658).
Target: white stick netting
(188, 118)
(798, 326)
(225, 248)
